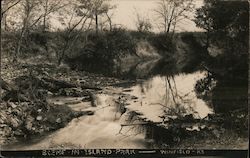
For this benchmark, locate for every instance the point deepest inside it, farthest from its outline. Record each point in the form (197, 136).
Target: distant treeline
(102, 48)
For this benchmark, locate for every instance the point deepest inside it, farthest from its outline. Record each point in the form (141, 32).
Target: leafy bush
(114, 44)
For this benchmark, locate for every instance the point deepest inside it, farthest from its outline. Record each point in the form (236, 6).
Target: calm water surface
(153, 97)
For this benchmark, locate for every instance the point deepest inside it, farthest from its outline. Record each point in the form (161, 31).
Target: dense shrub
(101, 50)
(114, 44)
(163, 43)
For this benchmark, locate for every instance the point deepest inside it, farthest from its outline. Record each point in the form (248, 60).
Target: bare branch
(14, 4)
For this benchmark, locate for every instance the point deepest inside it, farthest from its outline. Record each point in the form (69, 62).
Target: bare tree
(28, 8)
(32, 12)
(6, 5)
(106, 21)
(142, 24)
(99, 7)
(48, 7)
(109, 19)
(80, 20)
(170, 12)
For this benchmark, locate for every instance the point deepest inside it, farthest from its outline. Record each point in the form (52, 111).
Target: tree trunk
(165, 24)
(3, 16)
(44, 23)
(96, 23)
(4, 22)
(172, 35)
(110, 22)
(170, 20)
(45, 15)
(23, 31)
(62, 54)
(59, 60)
(169, 25)
(19, 43)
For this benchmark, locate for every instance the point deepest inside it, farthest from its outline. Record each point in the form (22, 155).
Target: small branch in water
(171, 90)
(134, 124)
(126, 136)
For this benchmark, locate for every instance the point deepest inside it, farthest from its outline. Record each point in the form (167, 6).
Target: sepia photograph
(124, 74)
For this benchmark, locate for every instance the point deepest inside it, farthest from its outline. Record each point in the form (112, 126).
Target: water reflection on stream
(152, 98)
(172, 95)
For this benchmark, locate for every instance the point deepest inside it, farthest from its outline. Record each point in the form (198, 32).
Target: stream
(121, 112)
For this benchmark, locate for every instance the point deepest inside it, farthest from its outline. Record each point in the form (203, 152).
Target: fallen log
(12, 93)
(59, 83)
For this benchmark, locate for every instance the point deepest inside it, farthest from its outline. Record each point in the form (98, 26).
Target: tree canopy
(229, 18)
(226, 24)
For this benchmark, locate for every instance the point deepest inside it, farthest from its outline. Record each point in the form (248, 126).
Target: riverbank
(26, 110)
